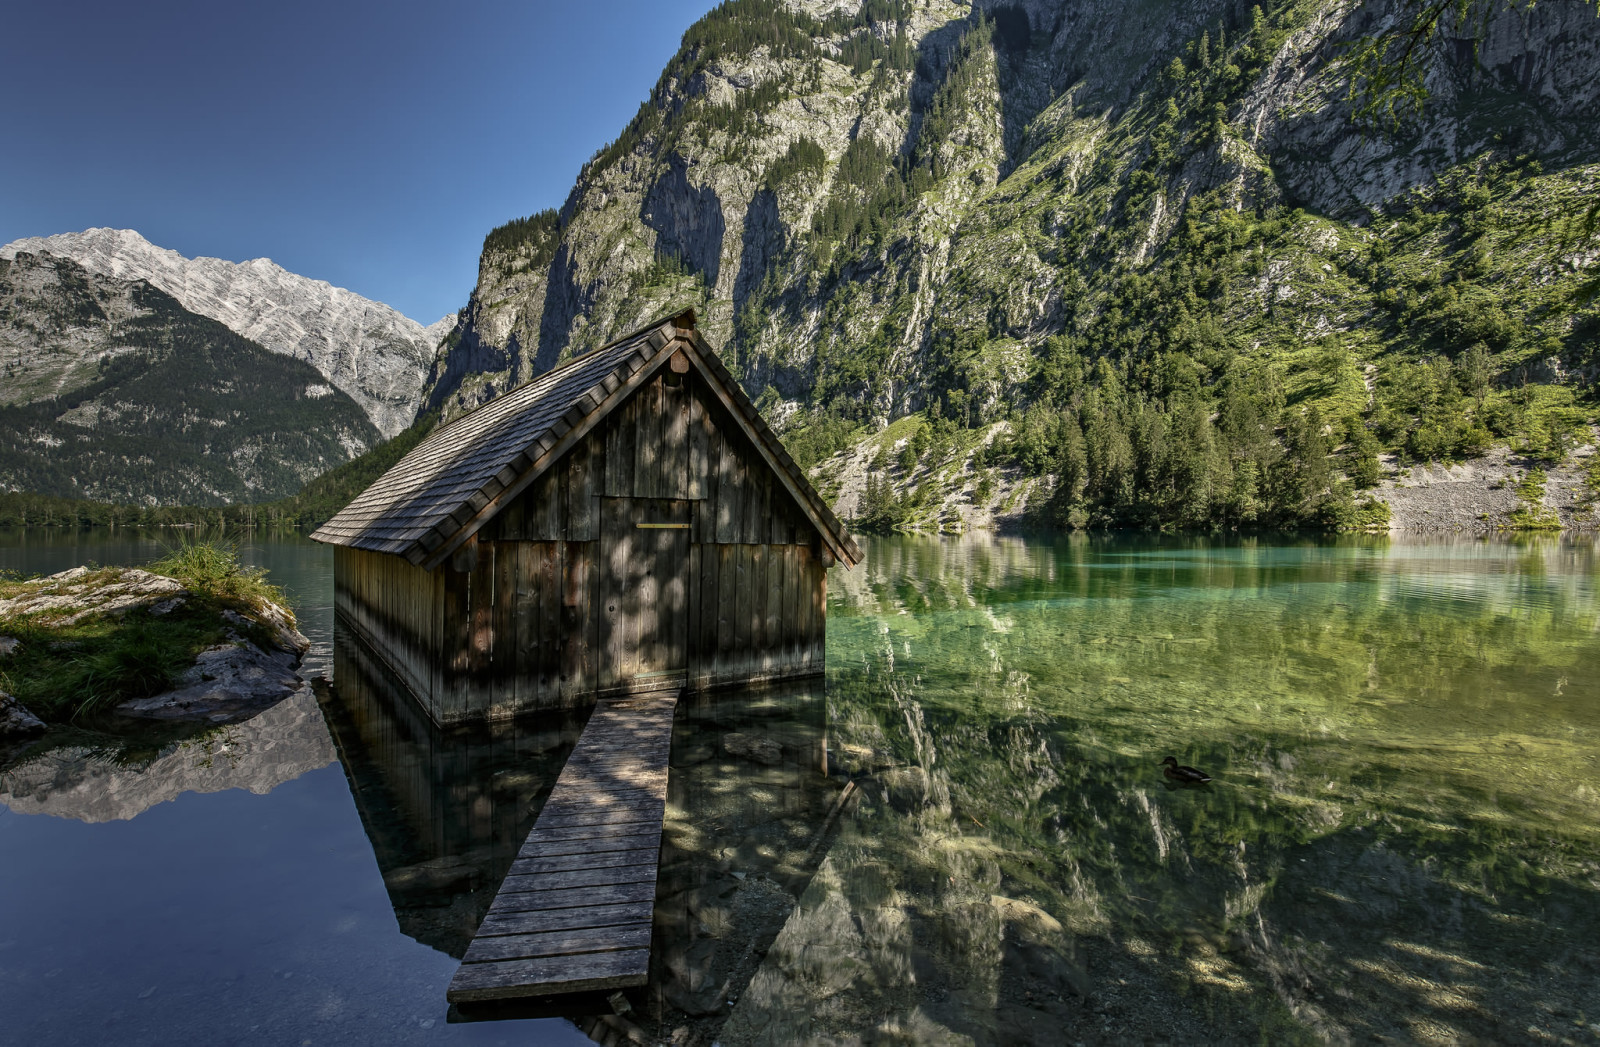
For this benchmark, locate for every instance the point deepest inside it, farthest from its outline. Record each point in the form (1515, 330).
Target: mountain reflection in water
(965, 836)
(961, 836)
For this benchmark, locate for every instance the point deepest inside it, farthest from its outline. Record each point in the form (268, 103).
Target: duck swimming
(1185, 775)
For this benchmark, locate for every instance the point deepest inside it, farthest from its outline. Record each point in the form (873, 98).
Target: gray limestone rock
(16, 721)
(227, 683)
(72, 596)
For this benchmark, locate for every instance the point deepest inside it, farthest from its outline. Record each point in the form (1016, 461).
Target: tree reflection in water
(1401, 843)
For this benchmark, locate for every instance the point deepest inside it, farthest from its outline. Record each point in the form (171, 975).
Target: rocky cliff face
(365, 349)
(890, 206)
(113, 391)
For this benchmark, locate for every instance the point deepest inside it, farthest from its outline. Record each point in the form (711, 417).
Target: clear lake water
(962, 835)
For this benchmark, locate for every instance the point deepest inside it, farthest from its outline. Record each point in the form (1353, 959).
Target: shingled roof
(456, 479)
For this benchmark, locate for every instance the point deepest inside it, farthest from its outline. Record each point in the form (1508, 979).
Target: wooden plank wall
(396, 607)
(515, 620)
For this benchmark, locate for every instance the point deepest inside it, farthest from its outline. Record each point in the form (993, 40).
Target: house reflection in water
(748, 816)
(445, 808)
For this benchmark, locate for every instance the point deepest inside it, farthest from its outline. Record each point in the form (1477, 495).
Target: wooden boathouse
(623, 523)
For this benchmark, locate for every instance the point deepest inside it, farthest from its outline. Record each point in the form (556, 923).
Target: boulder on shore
(16, 721)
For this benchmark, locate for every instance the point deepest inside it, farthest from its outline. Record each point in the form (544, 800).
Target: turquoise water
(961, 836)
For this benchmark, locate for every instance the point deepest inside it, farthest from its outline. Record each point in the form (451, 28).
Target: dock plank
(583, 860)
(608, 876)
(547, 975)
(574, 912)
(558, 943)
(573, 897)
(565, 919)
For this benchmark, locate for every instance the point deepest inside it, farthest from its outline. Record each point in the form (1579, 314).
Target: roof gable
(457, 478)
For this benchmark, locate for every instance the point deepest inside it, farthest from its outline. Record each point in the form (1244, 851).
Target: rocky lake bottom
(960, 836)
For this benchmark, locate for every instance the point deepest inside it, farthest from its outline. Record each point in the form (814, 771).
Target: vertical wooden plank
(503, 655)
(742, 618)
(758, 606)
(579, 525)
(481, 598)
(594, 596)
(507, 524)
(729, 497)
(596, 441)
(707, 628)
(647, 442)
(793, 604)
(675, 435)
(620, 625)
(772, 632)
(699, 442)
(527, 619)
(549, 586)
(782, 515)
(676, 626)
(803, 615)
(756, 482)
(695, 609)
(555, 507)
(620, 449)
(574, 619)
(727, 602)
(457, 631)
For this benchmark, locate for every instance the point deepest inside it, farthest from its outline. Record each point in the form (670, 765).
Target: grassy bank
(71, 670)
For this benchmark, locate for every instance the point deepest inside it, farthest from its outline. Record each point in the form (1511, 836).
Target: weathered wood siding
(660, 549)
(398, 609)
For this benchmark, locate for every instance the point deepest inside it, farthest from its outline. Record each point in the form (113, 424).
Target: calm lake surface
(962, 835)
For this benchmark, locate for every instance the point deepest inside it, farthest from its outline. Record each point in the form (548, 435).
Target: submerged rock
(753, 747)
(16, 721)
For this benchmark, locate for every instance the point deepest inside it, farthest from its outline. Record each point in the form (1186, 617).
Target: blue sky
(368, 144)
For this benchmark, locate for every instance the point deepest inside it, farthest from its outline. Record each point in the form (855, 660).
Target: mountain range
(114, 392)
(1094, 264)
(135, 375)
(367, 350)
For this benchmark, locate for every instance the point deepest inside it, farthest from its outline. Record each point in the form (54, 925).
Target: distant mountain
(110, 390)
(377, 356)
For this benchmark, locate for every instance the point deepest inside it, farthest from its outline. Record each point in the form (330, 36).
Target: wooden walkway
(574, 913)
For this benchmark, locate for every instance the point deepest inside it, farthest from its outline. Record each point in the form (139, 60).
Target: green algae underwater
(1402, 843)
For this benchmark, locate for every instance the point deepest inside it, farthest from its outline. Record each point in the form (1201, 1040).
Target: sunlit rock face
(260, 754)
(1032, 126)
(364, 348)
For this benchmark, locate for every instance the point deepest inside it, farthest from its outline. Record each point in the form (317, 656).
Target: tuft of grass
(68, 674)
(211, 569)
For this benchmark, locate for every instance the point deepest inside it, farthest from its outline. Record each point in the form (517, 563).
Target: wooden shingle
(436, 497)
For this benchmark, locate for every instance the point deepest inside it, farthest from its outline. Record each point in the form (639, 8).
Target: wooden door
(644, 600)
